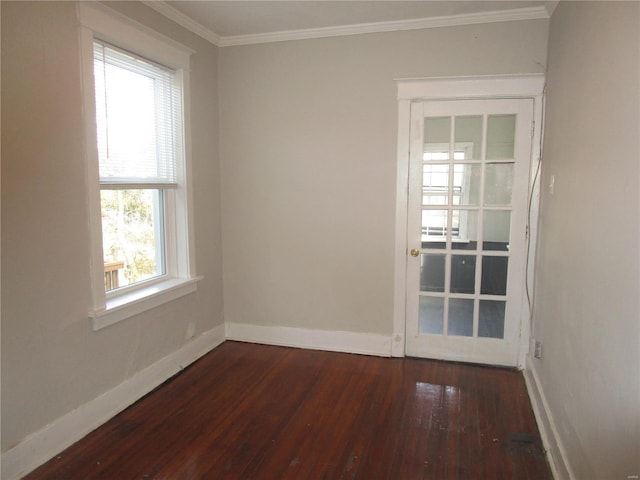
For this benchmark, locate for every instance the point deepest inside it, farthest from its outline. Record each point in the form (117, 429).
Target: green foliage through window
(129, 230)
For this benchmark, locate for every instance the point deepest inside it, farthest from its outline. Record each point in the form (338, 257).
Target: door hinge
(533, 127)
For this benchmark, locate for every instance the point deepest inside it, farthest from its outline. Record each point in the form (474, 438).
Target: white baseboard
(44, 444)
(333, 341)
(551, 442)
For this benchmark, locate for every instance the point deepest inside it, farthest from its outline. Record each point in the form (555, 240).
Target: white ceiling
(245, 21)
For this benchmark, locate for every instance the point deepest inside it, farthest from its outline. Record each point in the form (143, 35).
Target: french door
(469, 167)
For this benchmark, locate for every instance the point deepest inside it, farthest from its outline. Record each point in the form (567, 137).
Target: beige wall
(308, 148)
(308, 142)
(587, 292)
(52, 361)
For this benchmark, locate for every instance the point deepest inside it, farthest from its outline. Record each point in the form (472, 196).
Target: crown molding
(529, 13)
(551, 7)
(183, 20)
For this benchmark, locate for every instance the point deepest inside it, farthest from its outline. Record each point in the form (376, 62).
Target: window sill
(133, 303)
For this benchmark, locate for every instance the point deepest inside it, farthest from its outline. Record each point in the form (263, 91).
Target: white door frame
(460, 88)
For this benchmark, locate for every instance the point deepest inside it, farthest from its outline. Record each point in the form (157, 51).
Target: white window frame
(102, 23)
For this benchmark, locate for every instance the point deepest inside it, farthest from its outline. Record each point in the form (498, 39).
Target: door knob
(415, 252)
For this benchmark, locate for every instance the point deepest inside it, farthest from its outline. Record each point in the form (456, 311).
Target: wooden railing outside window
(111, 275)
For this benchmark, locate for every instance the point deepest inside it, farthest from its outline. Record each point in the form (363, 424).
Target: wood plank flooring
(248, 411)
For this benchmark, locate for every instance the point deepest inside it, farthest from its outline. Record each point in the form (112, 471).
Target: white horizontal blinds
(138, 107)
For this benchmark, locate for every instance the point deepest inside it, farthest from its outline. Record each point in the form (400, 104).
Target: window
(136, 92)
(435, 190)
(138, 124)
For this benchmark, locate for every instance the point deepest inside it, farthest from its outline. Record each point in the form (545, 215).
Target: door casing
(461, 88)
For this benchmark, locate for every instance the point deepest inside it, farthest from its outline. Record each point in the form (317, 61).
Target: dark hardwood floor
(249, 411)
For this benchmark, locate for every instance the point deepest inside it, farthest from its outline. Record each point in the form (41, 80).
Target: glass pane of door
(501, 136)
(431, 314)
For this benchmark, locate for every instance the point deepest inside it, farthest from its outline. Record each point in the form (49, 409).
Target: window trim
(102, 23)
